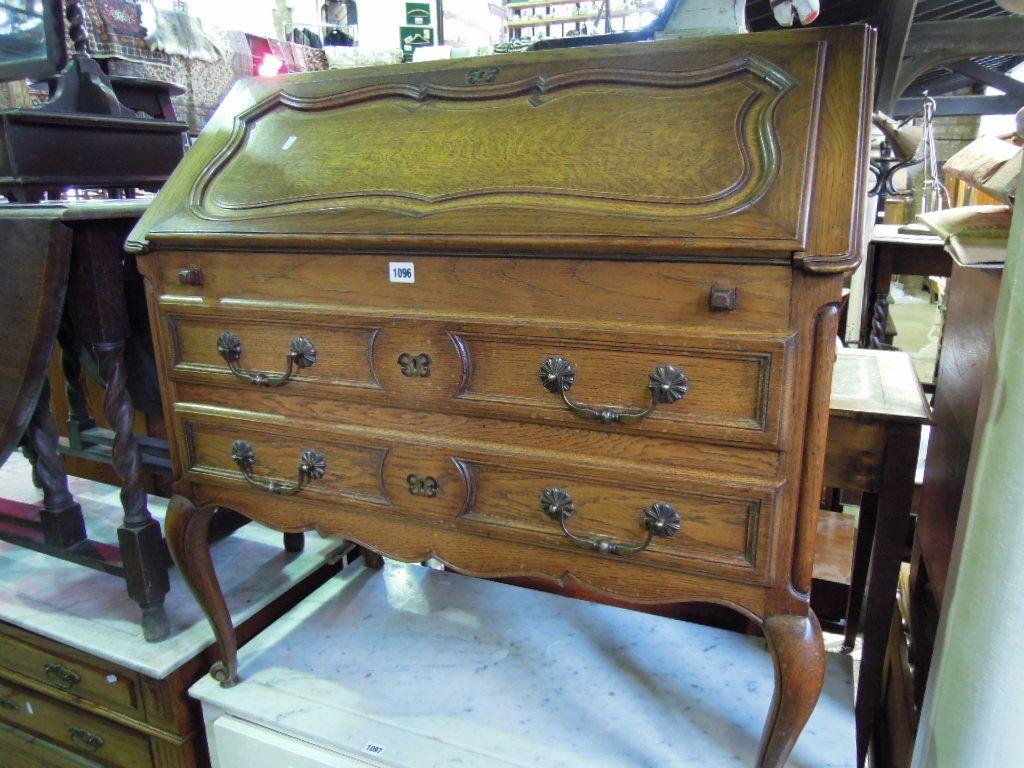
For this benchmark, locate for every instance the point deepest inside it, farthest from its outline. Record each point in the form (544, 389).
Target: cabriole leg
(799, 655)
(188, 535)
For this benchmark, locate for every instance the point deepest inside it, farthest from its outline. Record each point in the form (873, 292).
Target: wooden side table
(891, 252)
(877, 410)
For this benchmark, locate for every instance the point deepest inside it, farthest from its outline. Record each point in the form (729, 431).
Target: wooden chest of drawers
(61, 707)
(568, 315)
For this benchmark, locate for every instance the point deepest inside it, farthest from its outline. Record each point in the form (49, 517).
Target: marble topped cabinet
(417, 668)
(79, 685)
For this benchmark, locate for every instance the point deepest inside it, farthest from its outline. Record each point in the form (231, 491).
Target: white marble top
(445, 670)
(91, 611)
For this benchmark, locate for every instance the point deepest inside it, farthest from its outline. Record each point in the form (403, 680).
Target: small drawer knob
(190, 276)
(723, 298)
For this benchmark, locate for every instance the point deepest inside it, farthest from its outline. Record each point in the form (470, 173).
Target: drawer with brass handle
(50, 666)
(683, 521)
(686, 385)
(73, 729)
(247, 456)
(21, 750)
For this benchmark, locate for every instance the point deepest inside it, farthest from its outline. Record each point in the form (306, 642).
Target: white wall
(379, 21)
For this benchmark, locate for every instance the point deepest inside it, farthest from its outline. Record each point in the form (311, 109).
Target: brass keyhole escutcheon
(414, 366)
(423, 486)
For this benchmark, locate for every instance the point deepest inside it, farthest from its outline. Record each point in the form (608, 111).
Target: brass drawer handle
(659, 519)
(86, 738)
(312, 466)
(301, 354)
(667, 383)
(61, 676)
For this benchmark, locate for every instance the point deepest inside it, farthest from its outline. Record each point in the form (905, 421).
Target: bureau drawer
(40, 662)
(20, 750)
(723, 527)
(78, 731)
(536, 291)
(725, 387)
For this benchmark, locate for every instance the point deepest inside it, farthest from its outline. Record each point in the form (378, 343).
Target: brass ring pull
(667, 384)
(85, 738)
(301, 354)
(312, 466)
(659, 519)
(61, 676)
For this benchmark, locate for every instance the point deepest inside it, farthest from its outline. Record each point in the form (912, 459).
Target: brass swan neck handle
(312, 466)
(667, 383)
(301, 354)
(659, 519)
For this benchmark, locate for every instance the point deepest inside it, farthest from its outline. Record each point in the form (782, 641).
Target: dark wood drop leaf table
(64, 271)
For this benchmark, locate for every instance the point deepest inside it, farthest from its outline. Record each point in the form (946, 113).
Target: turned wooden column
(99, 313)
(61, 516)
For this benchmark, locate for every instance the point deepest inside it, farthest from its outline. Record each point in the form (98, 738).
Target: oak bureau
(568, 315)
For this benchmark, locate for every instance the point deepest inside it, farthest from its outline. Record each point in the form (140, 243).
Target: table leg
(372, 559)
(61, 517)
(878, 286)
(879, 320)
(142, 546)
(79, 418)
(895, 497)
(866, 523)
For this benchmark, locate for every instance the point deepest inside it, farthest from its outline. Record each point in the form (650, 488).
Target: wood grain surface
(34, 263)
(580, 140)
(524, 247)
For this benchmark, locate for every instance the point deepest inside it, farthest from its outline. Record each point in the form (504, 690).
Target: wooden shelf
(543, 22)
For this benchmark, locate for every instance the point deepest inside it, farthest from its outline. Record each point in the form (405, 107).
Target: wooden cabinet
(61, 707)
(568, 315)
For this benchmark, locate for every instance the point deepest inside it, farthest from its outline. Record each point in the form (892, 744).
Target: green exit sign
(417, 14)
(413, 38)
